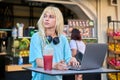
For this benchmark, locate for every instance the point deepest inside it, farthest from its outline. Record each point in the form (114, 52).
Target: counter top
(10, 68)
(2, 53)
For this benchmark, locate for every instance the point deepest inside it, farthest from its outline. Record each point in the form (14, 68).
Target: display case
(113, 56)
(13, 69)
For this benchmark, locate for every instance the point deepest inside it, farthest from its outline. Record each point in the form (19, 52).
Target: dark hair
(75, 34)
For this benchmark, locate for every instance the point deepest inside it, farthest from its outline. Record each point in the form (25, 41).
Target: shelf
(115, 67)
(115, 52)
(110, 62)
(113, 76)
(24, 37)
(116, 37)
(10, 68)
(5, 29)
(3, 53)
(89, 38)
(113, 34)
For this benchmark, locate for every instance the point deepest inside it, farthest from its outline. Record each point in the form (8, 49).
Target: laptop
(93, 57)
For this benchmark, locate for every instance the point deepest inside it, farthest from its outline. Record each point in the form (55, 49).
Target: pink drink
(48, 62)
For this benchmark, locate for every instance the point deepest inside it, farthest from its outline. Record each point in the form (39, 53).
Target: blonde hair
(59, 20)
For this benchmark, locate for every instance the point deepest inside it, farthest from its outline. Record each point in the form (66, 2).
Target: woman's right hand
(73, 62)
(61, 65)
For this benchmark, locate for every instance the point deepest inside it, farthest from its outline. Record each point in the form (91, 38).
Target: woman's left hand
(73, 62)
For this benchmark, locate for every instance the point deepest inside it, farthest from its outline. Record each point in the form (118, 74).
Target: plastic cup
(48, 62)
(48, 58)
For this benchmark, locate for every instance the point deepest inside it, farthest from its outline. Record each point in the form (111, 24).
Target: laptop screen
(94, 56)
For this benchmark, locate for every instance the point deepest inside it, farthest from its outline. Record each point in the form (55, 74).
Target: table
(70, 72)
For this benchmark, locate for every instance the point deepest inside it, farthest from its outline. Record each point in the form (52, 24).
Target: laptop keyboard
(78, 67)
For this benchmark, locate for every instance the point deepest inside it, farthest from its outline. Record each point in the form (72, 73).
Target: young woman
(50, 24)
(76, 43)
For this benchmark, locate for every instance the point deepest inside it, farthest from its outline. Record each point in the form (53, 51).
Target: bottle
(14, 32)
(20, 60)
(31, 30)
(20, 29)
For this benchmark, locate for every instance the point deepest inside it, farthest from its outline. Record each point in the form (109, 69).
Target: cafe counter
(9, 70)
(16, 72)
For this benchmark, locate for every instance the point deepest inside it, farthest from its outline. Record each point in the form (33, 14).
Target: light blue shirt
(61, 52)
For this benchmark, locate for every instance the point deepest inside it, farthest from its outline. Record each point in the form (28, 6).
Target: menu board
(86, 27)
(81, 23)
